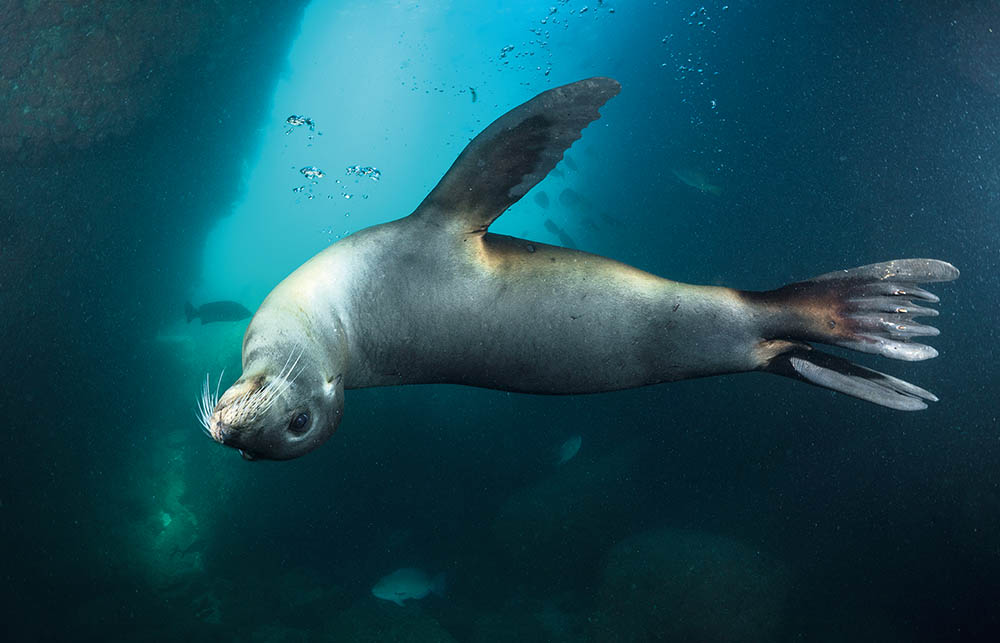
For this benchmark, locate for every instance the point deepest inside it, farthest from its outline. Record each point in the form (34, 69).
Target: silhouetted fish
(697, 180)
(570, 163)
(564, 238)
(407, 583)
(542, 199)
(570, 198)
(568, 449)
(216, 311)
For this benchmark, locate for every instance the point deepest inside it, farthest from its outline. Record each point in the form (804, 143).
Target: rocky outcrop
(73, 73)
(124, 116)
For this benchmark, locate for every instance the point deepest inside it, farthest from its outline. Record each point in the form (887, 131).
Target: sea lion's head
(276, 415)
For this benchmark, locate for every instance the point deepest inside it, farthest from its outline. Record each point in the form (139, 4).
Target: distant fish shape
(568, 449)
(174, 339)
(216, 311)
(697, 180)
(564, 238)
(542, 199)
(573, 200)
(406, 583)
(570, 163)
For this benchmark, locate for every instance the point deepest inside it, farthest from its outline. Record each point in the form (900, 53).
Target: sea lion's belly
(522, 316)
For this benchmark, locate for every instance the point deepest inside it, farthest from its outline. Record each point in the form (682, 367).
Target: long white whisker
(207, 402)
(281, 374)
(292, 381)
(215, 400)
(280, 384)
(202, 402)
(253, 403)
(201, 420)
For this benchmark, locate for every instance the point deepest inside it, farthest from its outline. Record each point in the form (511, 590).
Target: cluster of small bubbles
(295, 121)
(331, 233)
(696, 120)
(312, 172)
(688, 55)
(689, 67)
(560, 15)
(368, 171)
(298, 121)
(701, 18)
(344, 193)
(430, 87)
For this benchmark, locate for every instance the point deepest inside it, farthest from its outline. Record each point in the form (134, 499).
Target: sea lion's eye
(299, 423)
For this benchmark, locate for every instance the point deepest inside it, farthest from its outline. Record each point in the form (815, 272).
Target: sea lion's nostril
(221, 432)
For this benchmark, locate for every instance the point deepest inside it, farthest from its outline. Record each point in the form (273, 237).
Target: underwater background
(146, 161)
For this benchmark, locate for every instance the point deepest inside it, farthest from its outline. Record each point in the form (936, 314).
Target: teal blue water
(753, 144)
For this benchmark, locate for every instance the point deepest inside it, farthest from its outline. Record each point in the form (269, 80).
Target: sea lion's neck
(289, 324)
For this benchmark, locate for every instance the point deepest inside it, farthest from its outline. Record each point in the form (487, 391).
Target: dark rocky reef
(120, 125)
(116, 121)
(74, 73)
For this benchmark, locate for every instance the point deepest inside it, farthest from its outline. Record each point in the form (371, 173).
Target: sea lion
(433, 298)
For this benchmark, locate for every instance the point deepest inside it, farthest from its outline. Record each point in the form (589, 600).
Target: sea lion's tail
(868, 309)
(190, 311)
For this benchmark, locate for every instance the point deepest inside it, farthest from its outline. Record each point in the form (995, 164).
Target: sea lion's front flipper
(513, 154)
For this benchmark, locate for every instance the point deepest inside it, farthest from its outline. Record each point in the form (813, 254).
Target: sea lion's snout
(220, 431)
(226, 433)
(275, 415)
(224, 418)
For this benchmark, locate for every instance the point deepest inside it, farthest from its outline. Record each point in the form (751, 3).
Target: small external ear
(332, 384)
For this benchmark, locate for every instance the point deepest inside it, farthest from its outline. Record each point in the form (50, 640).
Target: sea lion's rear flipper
(806, 364)
(513, 154)
(868, 309)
